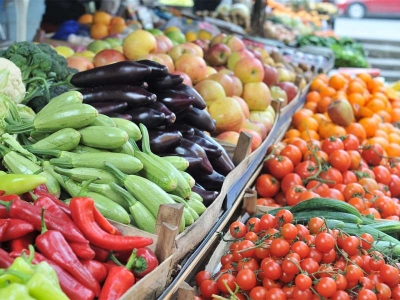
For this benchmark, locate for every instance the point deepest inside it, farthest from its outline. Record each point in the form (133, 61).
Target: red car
(361, 8)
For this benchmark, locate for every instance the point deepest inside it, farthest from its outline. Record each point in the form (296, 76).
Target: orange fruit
(323, 104)
(117, 20)
(393, 150)
(102, 17)
(356, 98)
(292, 133)
(317, 84)
(337, 81)
(324, 77)
(365, 77)
(386, 116)
(327, 91)
(309, 135)
(117, 28)
(86, 19)
(308, 123)
(313, 96)
(298, 116)
(379, 140)
(376, 105)
(355, 87)
(394, 138)
(99, 31)
(357, 130)
(311, 106)
(382, 133)
(396, 114)
(370, 125)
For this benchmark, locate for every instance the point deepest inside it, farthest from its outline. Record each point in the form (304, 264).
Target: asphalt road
(369, 28)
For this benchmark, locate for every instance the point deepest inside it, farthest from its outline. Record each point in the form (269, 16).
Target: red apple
(192, 65)
(204, 44)
(196, 48)
(264, 116)
(234, 42)
(217, 55)
(256, 95)
(225, 80)
(256, 138)
(178, 50)
(231, 137)
(270, 75)
(164, 44)
(80, 63)
(290, 88)
(243, 105)
(236, 56)
(186, 78)
(257, 127)
(237, 86)
(107, 56)
(249, 70)
(218, 39)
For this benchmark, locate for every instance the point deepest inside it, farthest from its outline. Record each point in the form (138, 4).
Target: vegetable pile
(274, 257)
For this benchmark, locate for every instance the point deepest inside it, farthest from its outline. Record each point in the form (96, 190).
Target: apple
(204, 44)
(231, 137)
(257, 127)
(107, 56)
(237, 86)
(80, 63)
(97, 46)
(186, 78)
(249, 69)
(236, 56)
(178, 50)
(88, 54)
(114, 42)
(257, 54)
(196, 48)
(243, 105)
(284, 74)
(224, 70)
(210, 71)
(270, 75)
(263, 52)
(233, 42)
(152, 57)
(217, 55)
(64, 51)
(210, 90)
(225, 80)
(138, 43)
(290, 88)
(218, 39)
(192, 65)
(256, 138)
(167, 61)
(155, 31)
(227, 113)
(265, 117)
(164, 44)
(278, 94)
(256, 95)
(176, 36)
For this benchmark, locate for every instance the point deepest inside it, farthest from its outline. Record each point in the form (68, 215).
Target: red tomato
(279, 166)
(246, 279)
(293, 194)
(229, 280)
(394, 185)
(253, 225)
(382, 174)
(237, 229)
(293, 153)
(208, 288)
(326, 287)
(290, 180)
(350, 142)
(333, 176)
(331, 144)
(267, 186)
(372, 154)
(306, 169)
(279, 247)
(201, 276)
(340, 159)
(284, 216)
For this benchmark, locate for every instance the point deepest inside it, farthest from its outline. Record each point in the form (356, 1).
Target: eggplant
(133, 95)
(149, 117)
(211, 149)
(208, 196)
(175, 101)
(211, 182)
(161, 141)
(157, 70)
(168, 82)
(222, 164)
(169, 119)
(181, 114)
(188, 90)
(194, 163)
(109, 107)
(184, 129)
(200, 119)
(124, 72)
(188, 148)
(121, 116)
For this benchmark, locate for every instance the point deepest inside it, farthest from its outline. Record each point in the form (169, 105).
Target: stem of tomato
(319, 166)
(316, 293)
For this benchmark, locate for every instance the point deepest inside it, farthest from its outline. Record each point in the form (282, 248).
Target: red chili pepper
(2, 193)
(97, 269)
(23, 242)
(42, 190)
(83, 251)
(70, 286)
(54, 246)
(16, 228)
(146, 261)
(20, 209)
(83, 216)
(103, 222)
(5, 259)
(100, 254)
(109, 264)
(114, 287)
(3, 227)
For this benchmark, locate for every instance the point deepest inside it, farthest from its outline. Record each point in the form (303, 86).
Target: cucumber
(129, 127)
(106, 191)
(387, 248)
(103, 137)
(64, 139)
(124, 162)
(376, 234)
(190, 180)
(187, 216)
(84, 174)
(333, 224)
(304, 216)
(126, 149)
(194, 195)
(178, 162)
(178, 199)
(87, 149)
(197, 206)
(103, 120)
(39, 135)
(52, 184)
(389, 227)
(325, 204)
(65, 99)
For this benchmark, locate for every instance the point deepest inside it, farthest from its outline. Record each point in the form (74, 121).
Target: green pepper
(20, 183)
(45, 269)
(15, 291)
(21, 265)
(41, 288)
(11, 276)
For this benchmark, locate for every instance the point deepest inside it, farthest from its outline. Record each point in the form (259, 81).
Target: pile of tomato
(270, 258)
(359, 164)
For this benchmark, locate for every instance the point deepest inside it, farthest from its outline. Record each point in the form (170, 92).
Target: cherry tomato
(289, 231)
(293, 193)
(306, 169)
(353, 272)
(299, 294)
(388, 273)
(246, 279)
(208, 288)
(272, 270)
(201, 276)
(350, 142)
(293, 153)
(382, 174)
(275, 294)
(331, 144)
(365, 294)
(326, 287)
(246, 248)
(279, 166)
(289, 266)
(267, 186)
(334, 176)
(341, 281)
(226, 279)
(258, 293)
(290, 180)
(237, 229)
(267, 221)
(300, 248)
(384, 292)
(303, 282)
(315, 224)
(394, 185)
(226, 259)
(253, 225)
(340, 159)
(340, 295)
(279, 247)
(351, 245)
(309, 265)
(248, 263)
(302, 230)
(285, 216)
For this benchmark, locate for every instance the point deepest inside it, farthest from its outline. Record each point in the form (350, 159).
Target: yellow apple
(138, 43)
(210, 71)
(249, 69)
(227, 113)
(210, 90)
(256, 95)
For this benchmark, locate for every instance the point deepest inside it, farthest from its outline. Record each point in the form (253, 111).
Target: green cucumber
(129, 127)
(387, 248)
(178, 162)
(106, 191)
(103, 137)
(304, 216)
(190, 180)
(389, 227)
(103, 120)
(196, 205)
(84, 174)
(38, 135)
(333, 224)
(194, 195)
(126, 148)
(64, 139)
(87, 149)
(378, 235)
(65, 99)
(178, 199)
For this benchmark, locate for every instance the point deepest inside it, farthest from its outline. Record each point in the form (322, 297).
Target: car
(361, 8)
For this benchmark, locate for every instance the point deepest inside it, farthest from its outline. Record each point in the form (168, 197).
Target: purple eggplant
(175, 101)
(188, 148)
(188, 90)
(200, 119)
(181, 114)
(133, 95)
(168, 82)
(211, 182)
(161, 141)
(124, 72)
(184, 129)
(157, 70)
(149, 117)
(208, 196)
(170, 117)
(109, 107)
(222, 164)
(121, 116)
(211, 149)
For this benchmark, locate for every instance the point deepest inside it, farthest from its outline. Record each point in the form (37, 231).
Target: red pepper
(146, 261)
(100, 254)
(23, 242)
(16, 228)
(109, 264)
(83, 251)
(70, 286)
(97, 269)
(2, 193)
(42, 190)
(3, 227)
(5, 259)
(103, 222)
(119, 280)
(83, 216)
(20, 209)
(54, 246)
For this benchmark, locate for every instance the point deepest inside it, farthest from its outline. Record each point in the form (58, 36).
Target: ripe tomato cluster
(337, 168)
(270, 258)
